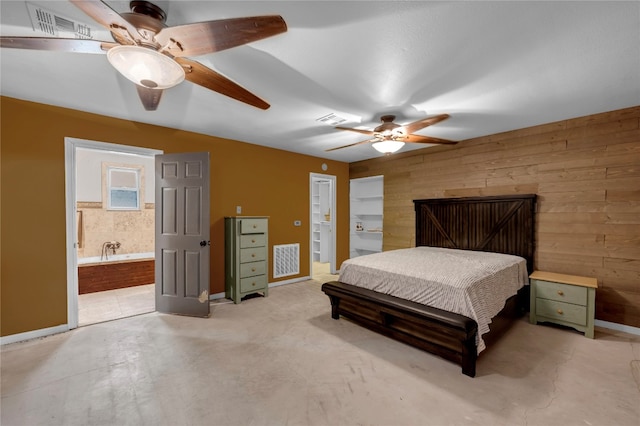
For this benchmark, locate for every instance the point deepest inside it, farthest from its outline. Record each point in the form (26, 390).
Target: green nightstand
(568, 300)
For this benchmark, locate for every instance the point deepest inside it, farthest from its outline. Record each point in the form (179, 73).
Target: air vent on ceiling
(52, 24)
(331, 119)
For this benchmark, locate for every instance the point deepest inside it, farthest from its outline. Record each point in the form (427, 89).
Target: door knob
(204, 243)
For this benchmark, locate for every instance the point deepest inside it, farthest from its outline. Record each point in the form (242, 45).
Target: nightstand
(568, 300)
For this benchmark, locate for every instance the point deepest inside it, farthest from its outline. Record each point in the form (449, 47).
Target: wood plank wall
(586, 172)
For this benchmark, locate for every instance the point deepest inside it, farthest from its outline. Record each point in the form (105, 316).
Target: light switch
(238, 209)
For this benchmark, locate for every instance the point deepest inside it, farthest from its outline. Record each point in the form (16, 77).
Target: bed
(497, 224)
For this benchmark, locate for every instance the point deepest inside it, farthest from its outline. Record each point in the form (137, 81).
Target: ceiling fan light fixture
(388, 146)
(146, 67)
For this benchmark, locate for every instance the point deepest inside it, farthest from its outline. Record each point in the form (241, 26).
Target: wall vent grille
(49, 23)
(286, 260)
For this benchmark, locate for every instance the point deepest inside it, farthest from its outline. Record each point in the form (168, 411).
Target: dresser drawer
(253, 226)
(252, 269)
(561, 311)
(252, 254)
(252, 240)
(561, 292)
(253, 283)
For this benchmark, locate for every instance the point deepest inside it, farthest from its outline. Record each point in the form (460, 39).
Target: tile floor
(321, 272)
(114, 304)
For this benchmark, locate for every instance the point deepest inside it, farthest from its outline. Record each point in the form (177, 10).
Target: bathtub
(118, 271)
(115, 258)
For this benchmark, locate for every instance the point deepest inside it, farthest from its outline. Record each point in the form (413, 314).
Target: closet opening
(323, 238)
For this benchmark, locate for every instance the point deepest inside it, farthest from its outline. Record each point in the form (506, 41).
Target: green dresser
(563, 299)
(246, 256)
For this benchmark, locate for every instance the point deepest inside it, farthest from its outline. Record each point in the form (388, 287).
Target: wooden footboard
(442, 333)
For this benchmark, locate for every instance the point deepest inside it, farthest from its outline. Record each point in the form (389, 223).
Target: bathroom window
(123, 188)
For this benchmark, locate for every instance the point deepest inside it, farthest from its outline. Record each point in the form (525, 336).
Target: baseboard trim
(221, 295)
(216, 296)
(618, 327)
(35, 334)
(291, 281)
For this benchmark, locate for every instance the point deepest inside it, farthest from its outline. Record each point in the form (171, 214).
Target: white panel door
(182, 234)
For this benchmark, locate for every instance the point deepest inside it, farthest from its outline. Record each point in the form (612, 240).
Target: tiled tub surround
(133, 229)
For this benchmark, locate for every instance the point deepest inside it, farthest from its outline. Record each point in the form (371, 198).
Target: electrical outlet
(238, 209)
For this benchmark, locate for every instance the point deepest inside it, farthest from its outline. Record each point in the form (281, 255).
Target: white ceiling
(493, 66)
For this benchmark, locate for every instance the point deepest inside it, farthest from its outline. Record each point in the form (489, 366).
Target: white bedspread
(471, 283)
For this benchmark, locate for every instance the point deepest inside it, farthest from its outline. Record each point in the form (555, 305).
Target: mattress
(471, 283)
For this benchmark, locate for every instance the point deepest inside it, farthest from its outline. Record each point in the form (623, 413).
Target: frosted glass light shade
(146, 67)
(388, 147)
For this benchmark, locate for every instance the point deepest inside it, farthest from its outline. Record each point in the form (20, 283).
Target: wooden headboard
(500, 224)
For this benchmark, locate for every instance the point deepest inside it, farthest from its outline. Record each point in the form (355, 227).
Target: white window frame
(137, 191)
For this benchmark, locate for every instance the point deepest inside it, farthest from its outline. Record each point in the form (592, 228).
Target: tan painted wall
(263, 181)
(586, 172)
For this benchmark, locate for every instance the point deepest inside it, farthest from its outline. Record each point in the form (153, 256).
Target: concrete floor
(282, 360)
(126, 302)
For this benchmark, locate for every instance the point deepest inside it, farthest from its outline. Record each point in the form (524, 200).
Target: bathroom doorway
(110, 231)
(322, 199)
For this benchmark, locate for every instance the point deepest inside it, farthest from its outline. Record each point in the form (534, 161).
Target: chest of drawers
(567, 300)
(246, 256)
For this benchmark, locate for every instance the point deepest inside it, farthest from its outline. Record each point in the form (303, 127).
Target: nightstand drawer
(253, 283)
(253, 226)
(561, 311)
(252, 240)
(252, 254)
(561, 292)
(253, 268)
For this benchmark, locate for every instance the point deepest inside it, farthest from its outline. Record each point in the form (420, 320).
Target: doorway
(322, 207)
(108, 212)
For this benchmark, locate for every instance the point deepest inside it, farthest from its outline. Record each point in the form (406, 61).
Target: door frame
(70, 145)
(332, 219)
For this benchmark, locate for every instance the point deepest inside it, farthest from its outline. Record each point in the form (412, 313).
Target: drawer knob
(253, 269)
(560, 311)
(560, 293)
(253, 284)
(255, 226)
(253, 255)
(253, 241)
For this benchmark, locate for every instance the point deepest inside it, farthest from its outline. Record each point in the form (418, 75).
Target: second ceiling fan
(389, 137)
(153, 55)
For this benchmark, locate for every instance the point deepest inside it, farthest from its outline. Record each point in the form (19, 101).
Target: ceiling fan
(154, 56)
(389, 137)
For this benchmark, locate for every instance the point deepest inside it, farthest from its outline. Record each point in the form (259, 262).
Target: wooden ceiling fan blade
(350, 145)
(213, 36)
(56, 44)
(150, 97)
(427, 139)
(110, 19)
(421, 124)
(364, 132)
(203, 76)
